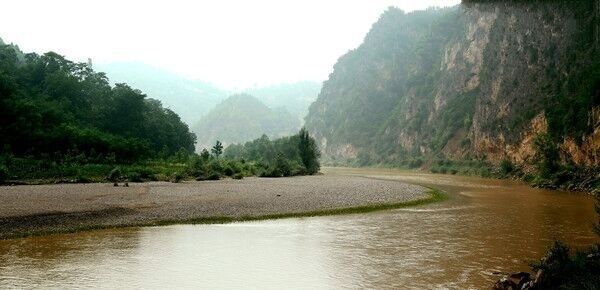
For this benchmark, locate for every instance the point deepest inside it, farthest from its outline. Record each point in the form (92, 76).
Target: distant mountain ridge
(241, 118)
(295, 97)
(192, 99)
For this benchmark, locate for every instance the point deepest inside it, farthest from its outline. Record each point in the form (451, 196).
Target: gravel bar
(39, 209)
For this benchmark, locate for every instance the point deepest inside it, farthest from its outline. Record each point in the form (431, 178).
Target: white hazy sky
(231, 43)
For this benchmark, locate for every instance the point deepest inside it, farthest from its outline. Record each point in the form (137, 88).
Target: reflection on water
(486, 226)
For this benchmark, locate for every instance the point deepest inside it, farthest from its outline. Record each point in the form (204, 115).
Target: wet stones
(519, 281)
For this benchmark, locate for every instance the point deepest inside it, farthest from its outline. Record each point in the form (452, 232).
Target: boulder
(528, 286)
(505, 284)
(539, 276)
(514, 281)
(520, 278)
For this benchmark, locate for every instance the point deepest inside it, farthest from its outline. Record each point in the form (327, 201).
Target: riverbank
(486, 226)
(565, 178)
(60, 208)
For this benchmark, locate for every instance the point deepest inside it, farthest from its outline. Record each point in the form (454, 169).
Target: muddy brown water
(484, 227)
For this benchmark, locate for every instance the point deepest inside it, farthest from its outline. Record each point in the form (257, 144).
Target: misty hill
(295, 97)
(242, 118)
(190, 99)
(488, 81)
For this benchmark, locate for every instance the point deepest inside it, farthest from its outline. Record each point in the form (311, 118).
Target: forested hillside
(55, 109)
(242, 118)
(515, 83)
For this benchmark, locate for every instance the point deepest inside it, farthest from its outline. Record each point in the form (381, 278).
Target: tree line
(286, 156)
(53, 108)
(60, 121)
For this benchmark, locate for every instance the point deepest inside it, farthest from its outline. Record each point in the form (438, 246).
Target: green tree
(181, 155)
(3, 174)
(547, 156)
(506, 167)
(309, 153)
(217, 150)
(204, 154)
(53, 108)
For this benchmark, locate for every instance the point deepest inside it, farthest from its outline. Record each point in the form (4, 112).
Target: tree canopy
(51, 107)
(297, 154)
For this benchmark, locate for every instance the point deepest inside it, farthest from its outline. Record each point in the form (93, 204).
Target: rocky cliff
(482, 80)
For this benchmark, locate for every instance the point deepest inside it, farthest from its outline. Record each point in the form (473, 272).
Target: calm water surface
(486, 226)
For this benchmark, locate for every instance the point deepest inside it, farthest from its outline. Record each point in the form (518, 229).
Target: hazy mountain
(295, 97)
(190, 99)
(242, 118)
(476, 81)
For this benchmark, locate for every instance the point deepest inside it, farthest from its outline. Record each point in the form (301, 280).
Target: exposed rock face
(588, 153)
(473, 81)
(523, 152)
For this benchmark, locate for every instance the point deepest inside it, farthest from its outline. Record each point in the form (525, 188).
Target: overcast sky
(233, 44)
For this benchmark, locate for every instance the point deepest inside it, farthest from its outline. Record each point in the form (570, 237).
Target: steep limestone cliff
(477, 81)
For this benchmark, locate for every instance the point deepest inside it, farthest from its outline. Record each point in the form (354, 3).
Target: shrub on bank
(228, 171)
(563, 270)
(463, 167)
(199, 167)
(211, 176)
(506, 167)
(134, 177)
(177, 177)
(114, 174)
(3, 174)
(81, 178)
(48, 171)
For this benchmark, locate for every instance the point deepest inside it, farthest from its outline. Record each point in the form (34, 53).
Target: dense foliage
(308, 151)
(563, 269)
(286, 156)
(56, 109)
(61, 121)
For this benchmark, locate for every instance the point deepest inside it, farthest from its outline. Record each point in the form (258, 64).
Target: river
(485, 226)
